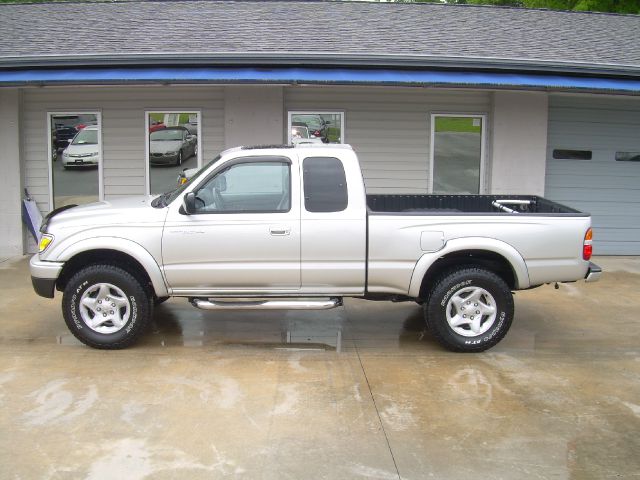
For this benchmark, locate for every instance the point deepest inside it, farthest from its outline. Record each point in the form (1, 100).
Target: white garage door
(593, 164)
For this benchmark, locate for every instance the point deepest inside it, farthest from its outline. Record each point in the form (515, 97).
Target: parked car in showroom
(156, 125)
(171, 146)
(318, 126)
(83, 150)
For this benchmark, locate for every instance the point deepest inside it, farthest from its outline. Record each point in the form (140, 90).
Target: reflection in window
(247, 187)
(457, 154)
(75, 158)
(173, 147)
(315, 127)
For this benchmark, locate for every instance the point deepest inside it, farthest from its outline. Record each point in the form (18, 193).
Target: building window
(627, 156)
(325, 185)
(173, 145)
(75, 157)
(457, 153)
(563, 154)
(315, 127)
(250, 186)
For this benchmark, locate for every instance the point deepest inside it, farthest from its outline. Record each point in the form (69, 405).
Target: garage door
(593, 164)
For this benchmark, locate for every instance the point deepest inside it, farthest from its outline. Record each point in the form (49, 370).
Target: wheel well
(104, 257)
(479, 258)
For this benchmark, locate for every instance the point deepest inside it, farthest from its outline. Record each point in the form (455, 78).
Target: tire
(179, 159)
(456, 327)
(128, 307)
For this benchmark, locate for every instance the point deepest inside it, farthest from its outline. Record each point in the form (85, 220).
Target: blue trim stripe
(314, 75)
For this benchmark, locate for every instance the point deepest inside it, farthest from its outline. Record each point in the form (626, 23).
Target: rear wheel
(106, 307)
(469, 310)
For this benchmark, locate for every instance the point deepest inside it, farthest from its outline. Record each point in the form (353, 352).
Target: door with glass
(457, 154)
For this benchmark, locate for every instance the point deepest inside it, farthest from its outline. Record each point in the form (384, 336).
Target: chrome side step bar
(267, 304)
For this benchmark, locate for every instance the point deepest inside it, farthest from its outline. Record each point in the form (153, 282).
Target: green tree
(610, 6)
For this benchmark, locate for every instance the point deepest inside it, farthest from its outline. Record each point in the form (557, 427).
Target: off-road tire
(140, 306)
(456, 283)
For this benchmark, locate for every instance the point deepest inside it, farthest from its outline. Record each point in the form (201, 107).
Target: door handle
(279, 231)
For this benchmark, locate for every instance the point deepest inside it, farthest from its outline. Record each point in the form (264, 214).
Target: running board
(267, 304)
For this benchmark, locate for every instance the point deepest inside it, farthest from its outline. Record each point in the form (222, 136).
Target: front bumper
(44, 275)
(594, 273)
(164, 160)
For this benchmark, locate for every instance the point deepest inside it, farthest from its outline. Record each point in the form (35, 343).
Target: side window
(261, 186)
(325, 185)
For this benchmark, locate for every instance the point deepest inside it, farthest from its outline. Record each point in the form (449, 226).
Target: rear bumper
(594, 273)
(44, 276)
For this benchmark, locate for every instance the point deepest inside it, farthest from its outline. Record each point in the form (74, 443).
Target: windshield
(172, 195)
(166, 135)
(86, 137)
(312, 121)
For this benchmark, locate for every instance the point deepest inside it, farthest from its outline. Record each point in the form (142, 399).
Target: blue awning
(336, 76)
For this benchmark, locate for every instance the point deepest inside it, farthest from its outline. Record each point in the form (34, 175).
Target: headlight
(45, 241)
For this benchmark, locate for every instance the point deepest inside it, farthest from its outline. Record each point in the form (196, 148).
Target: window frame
(482, 189)
(342, 114)
(147, 124)
(98, 115)
(242, 160)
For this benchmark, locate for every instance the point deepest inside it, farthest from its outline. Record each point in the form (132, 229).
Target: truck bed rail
(466, 204)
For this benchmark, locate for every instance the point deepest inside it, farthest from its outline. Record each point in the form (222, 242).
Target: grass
(458, 124)
(159, 117)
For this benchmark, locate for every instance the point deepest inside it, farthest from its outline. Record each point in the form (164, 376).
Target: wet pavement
(356, 392)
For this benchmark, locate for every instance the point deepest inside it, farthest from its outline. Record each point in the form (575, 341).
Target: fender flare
(510, 254)
(125, 246)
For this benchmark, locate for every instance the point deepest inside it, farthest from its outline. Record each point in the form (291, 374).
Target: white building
(434, 98)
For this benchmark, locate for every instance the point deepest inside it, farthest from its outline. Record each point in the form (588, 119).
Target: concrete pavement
(356, 392)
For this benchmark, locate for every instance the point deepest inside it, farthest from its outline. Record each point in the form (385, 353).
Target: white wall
(389, 127)
(10, 182)
(519, 142)
(253, 115)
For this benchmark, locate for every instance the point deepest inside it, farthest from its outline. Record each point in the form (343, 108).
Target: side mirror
(189, 203)
(70, 140)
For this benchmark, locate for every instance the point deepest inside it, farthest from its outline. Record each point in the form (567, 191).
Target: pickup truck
(291, 227)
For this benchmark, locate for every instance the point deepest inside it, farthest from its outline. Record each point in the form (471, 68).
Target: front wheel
(179, 159)
(470, 309)
(105, 307)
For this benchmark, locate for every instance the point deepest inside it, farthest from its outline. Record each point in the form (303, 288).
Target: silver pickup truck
(290, 227)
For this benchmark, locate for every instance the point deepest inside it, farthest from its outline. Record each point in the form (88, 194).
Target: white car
(300, 136)
(83, 149)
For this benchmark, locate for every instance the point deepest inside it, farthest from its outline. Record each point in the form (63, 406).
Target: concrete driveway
(357, 392)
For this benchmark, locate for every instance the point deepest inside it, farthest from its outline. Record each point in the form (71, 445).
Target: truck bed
(466, 204)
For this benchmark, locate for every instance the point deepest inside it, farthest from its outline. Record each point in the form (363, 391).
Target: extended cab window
(325, 185)
(247, 186)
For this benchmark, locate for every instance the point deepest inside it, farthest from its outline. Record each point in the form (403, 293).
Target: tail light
(587, 247)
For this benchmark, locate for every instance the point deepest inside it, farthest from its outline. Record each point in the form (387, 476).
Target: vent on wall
(572, 154)
(627, 156)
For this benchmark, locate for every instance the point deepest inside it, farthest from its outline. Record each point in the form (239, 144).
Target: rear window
(325, 185)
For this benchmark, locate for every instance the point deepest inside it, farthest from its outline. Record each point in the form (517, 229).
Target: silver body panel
(302, 253)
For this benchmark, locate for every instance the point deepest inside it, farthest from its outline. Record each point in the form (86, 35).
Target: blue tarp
(341, 76)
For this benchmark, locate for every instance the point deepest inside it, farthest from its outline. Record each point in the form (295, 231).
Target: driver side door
(245, 234)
